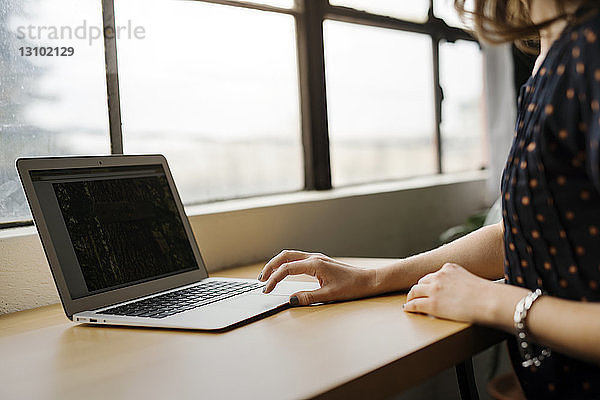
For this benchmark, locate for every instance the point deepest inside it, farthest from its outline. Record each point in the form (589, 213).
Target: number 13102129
(46, 51)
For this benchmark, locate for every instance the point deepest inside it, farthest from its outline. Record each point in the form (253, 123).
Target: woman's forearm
(481, 252)
(570, 327)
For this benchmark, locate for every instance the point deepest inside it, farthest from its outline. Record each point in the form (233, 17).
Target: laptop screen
(113, 227)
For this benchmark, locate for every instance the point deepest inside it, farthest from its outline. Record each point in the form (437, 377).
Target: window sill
(303, 197)
(336, 193)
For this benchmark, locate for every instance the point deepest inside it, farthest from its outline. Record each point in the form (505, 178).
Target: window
(463, 125)
(48, 105)
(217, 95)
(381, 108)
(244, 98)
(386, 118)
(445, 9)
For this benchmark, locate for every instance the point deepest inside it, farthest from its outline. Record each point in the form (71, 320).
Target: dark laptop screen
(113, 227)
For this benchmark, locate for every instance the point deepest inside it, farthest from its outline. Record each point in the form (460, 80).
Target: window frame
(309, 16)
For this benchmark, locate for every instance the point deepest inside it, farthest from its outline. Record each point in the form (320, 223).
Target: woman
(549, 238)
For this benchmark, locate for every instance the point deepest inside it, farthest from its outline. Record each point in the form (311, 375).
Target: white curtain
(500, 109)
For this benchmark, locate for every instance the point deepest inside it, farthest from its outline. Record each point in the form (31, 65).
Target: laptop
(122, 252)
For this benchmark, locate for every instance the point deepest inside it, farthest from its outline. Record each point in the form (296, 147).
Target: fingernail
(259, 276)
(294, 301)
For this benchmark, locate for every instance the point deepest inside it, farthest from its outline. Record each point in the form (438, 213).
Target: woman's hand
(339, 281)
(454, 293)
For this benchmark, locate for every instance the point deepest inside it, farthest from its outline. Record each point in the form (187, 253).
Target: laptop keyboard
(182, 300)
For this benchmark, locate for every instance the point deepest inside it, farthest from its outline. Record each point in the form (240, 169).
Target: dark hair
(499, 21)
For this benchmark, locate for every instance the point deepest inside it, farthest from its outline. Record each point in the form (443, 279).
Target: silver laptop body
(121, 248)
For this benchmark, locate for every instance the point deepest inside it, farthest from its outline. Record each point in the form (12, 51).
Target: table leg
(466, 380)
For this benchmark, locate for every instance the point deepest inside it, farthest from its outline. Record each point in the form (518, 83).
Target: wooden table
(360, 349)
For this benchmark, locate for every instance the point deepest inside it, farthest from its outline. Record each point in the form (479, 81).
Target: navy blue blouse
(551, 198)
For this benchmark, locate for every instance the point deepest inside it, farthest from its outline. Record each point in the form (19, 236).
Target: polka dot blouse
(551, 198)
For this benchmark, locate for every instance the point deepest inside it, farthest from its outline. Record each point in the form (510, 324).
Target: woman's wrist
(372, 284)
(372, 281)
(498, 306)
(389, 278)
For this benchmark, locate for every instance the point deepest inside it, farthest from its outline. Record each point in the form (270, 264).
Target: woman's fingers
(421, 305)
(418, 290)
(321, 295)
(283, 257)
(306, 266)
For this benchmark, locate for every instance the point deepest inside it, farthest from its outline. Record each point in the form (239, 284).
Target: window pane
(380, 103)
(413, 10)
(215, 89)
(445, 10)
(463, 123)
(49, 105)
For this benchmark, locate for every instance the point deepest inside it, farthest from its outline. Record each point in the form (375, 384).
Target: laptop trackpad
(287, 288)
(278, 296)
(239, 308)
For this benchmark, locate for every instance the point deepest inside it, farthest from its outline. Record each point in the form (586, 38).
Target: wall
(382, 220)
